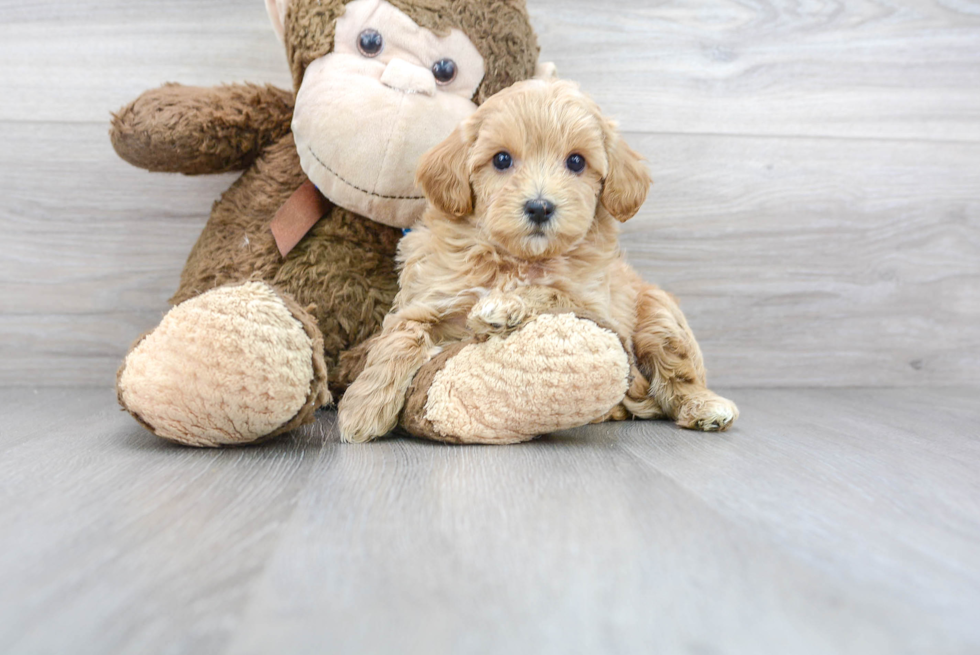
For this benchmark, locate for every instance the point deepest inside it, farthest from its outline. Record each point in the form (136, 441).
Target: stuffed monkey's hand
(194, 130)
(498, 313)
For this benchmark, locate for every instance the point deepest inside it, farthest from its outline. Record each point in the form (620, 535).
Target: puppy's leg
(371, 405)
(671, 376)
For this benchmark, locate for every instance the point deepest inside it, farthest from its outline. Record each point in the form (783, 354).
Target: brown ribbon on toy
(298, 216)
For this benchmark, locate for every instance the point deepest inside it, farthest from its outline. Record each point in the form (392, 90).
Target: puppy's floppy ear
(626, 185)
(444, 174)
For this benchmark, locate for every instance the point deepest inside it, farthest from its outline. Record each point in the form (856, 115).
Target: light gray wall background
(817, 167)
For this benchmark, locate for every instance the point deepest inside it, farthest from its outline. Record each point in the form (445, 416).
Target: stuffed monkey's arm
(195, 130)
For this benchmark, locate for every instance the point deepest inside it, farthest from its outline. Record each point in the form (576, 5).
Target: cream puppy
(525, 200)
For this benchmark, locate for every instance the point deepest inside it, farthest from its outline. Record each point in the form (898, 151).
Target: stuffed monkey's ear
(626, 185)
(444, 174)
(546, 70)
(277, 14)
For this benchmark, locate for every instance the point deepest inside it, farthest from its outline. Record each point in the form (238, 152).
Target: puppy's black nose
(539, 211)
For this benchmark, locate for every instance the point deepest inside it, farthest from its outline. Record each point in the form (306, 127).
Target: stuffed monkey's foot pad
(556, 372)
(234, 365)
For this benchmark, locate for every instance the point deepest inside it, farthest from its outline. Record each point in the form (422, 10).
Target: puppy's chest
(588, 292)
(523, 275)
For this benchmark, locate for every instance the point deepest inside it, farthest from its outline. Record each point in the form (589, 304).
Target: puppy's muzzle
(539, 211)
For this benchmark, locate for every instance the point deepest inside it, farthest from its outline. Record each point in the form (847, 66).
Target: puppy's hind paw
(707, 414)
(497, 313)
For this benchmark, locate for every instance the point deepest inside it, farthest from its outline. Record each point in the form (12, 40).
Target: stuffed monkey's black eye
(370, 43)
(502, 161)
(444, 71)
(575, 163)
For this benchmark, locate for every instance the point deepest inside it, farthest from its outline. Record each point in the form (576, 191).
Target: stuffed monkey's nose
(408, 78)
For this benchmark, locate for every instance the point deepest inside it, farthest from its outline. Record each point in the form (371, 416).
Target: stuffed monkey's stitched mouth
(357, 188)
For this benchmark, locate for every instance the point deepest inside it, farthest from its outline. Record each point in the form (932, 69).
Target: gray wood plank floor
(827, 521)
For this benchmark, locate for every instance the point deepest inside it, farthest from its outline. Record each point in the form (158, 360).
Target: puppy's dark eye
(502, 161)
(444, 71)
(575, 163)
(370, 43)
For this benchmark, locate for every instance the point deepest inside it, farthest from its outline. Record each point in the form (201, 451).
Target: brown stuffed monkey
(296, 267)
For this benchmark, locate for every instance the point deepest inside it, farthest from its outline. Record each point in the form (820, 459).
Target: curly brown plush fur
(190, 130)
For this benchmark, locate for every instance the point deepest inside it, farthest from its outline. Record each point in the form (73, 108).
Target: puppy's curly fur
(485, 261)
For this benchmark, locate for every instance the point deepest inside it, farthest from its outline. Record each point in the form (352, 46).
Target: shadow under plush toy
(295, 269)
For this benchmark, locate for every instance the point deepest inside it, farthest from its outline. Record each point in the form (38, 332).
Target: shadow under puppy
(525, 200)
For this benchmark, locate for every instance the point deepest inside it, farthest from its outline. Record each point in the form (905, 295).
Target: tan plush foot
(231, 366)
(708, 413)
(557, 372)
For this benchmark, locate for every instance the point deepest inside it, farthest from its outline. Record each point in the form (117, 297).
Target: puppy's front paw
(710, 413)
(356, 428)
(498, 313)
(364, 415)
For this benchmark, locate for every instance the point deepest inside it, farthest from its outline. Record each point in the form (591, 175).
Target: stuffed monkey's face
(366, 112)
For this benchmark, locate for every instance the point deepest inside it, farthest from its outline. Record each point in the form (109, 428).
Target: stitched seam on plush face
(388, 140)
(357, 188)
